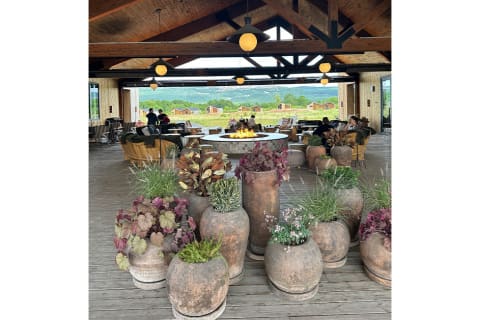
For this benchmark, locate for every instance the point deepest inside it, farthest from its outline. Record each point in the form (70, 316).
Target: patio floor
(344, 293)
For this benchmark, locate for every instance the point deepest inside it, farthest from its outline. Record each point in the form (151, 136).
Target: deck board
(344, 293)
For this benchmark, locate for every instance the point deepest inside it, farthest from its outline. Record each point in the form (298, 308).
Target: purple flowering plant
(290, 229)
(261, 159)
(163, 221)
(379, 221)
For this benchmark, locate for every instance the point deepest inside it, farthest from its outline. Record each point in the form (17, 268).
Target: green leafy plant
(197, 171)
(200, 251)
(290, 230)
(152, 181)
(341, 177)
(377, 194)
(319, 205)
(261, 159)
(153, 220)
(225, 195)
(315, 140)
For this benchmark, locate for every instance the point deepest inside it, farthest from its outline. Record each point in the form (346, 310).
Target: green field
(270, 117)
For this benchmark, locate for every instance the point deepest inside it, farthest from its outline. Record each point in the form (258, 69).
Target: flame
(243, 133)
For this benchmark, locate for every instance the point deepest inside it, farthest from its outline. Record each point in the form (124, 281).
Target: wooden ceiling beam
(225, 49)
(291, 16)
(99, 9)
(375, 13)
(257, 82)
(230, 72)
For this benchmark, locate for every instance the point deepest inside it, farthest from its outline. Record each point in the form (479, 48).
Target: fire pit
(231, 145)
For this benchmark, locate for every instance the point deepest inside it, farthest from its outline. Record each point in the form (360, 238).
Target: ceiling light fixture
(161, 68)
(240, 80)
(325, 67)
(248, 36)
(153, 84)
(324, 79)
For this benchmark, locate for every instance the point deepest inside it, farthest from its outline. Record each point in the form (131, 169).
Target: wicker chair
(358, 153)
(138, 153)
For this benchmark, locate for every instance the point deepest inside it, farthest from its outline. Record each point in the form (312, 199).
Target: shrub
(341, 177)
(152, 181)
(225, 195)
(203, 251)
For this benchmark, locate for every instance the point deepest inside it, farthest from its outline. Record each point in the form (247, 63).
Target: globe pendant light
(240, 80)
(324, 79)
(153, 84)
(161, 69)
(325, 67)
(248, 36)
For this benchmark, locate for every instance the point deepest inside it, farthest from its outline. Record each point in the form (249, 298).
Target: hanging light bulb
(325, 67)
(161, 69)
(153, 84)
(247, 42)
(324, 79)
(240, 80)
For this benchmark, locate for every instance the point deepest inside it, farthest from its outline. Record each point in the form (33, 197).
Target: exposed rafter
(226, 49)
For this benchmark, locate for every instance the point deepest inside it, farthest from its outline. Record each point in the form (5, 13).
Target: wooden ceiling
(127, 36)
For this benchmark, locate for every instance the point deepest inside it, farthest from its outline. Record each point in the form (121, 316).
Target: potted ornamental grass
(376, 232)
(151, 180)
(262, 170)
(324, 218)
(293, 261)
(147, 236)
(198, 280)
(226, 218)
(345, 182)
(196, 171)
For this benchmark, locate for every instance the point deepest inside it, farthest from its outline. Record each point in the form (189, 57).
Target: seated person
(324, 126)
(363, 125)
(352, 124)
(251, 122)
(325, 134)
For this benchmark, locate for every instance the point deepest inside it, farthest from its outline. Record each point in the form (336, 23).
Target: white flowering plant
(290, 230)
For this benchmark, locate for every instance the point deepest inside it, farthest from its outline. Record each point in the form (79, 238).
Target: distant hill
(237, 94)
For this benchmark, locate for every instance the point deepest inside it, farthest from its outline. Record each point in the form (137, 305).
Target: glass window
(93, 101)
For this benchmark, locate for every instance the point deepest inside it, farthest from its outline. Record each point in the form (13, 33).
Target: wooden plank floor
(344, 293)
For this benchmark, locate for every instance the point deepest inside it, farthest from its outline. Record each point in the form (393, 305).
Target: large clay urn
(312, 153)
(351, 200)
(294, 272)
(333, 240)
(377, 260)
(196, 205)
(322, 164)
(149, 269)
(197, 289)
(259, 198)
(342, 155)
(233, 227)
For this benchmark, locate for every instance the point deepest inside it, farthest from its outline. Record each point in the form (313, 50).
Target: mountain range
(238, 94)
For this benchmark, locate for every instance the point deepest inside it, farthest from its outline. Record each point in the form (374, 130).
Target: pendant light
(248, 36)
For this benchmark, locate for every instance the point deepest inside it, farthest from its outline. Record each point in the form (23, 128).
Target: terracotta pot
(196, 205)
(148, 270)
(312, 153)
(234, 227)
(260, 197)
(296, 158)
(333, 240)
(352, 202)
(342, 154)
(377, 260)
(294, 272)
(324, 164)
(197, 289)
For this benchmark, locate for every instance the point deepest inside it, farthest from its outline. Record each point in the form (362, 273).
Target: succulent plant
(197, 171)
(203, 251)
(225, 195)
